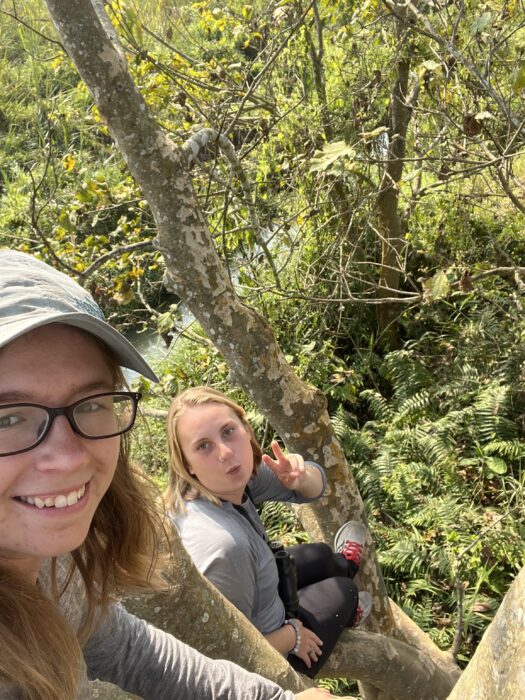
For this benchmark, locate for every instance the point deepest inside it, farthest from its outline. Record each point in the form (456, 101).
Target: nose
(62, 449)
(224, 452)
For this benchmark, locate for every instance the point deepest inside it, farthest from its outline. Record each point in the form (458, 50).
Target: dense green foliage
(427, 398)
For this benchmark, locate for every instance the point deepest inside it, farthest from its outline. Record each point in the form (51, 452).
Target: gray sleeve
(144, 661)
(265, 486)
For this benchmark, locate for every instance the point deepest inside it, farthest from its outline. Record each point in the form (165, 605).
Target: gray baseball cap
(33, 294)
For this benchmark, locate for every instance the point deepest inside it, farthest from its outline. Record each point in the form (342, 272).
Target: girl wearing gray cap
(75, 523)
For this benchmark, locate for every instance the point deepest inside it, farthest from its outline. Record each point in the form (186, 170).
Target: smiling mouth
(63, 500)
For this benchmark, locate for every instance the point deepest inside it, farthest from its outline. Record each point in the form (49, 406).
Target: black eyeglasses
(25, 425)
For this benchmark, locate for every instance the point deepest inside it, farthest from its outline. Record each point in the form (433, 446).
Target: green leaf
(371, 135)
(436, 287)
(480, 23)
(430, 65)
(483, 115)
(496, 465)
(330, 153)
(165, 322)
(518, 78)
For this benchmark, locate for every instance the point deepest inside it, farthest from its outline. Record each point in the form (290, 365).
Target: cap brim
(123, 350)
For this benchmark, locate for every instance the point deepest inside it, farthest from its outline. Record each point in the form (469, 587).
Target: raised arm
(294, 473)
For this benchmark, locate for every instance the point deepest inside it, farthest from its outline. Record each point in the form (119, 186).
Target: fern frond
(436, 448)
(378, 404)
(281, 523)
(342, 422)
(513, 449)
(359, 445)
(407, 374)
(414, 405)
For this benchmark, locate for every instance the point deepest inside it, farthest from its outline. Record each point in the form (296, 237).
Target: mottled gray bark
(195, 273)
(497, 669)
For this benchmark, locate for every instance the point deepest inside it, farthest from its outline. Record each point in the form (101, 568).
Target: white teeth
(60, 501)
(72, 498)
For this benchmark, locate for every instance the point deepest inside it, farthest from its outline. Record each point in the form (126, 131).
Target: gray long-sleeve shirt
(228, 547)
(147, 662)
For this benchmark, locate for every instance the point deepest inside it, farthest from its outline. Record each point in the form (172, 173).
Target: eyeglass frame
(67, 411)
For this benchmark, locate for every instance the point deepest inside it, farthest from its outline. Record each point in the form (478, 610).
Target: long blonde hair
(182, 485)
(39, 650)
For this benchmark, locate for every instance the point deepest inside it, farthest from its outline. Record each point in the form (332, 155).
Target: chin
(67, 545)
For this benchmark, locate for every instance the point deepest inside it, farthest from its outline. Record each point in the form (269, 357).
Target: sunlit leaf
(518, 78)
(69, 162)
(496, 465)
(430, 65)
(436, 287)
(483, 115)
(480, 23)
(330, 153)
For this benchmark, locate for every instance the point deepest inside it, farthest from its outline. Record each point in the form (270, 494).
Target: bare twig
(15, 16)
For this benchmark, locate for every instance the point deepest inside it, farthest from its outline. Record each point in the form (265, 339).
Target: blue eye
(202, 445)
(228, 431)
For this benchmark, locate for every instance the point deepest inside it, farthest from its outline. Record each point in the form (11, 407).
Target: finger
(296, 463)
(279, 454)
(315, 649)
(272, 463)
(305, 659)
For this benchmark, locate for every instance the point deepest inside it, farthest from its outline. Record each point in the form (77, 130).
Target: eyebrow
(24, 397)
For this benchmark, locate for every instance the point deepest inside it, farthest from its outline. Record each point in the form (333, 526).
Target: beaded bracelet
(295, 625)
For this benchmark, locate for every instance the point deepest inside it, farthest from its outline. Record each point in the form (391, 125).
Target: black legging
(327, 597)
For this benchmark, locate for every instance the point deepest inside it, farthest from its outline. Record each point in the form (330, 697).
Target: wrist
(311, 485)
(295, 625)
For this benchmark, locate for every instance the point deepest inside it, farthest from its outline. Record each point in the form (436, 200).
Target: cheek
(200, 466)
(108, 456)
(11, 468)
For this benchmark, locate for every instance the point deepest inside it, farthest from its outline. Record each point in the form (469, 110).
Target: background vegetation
(366, 198)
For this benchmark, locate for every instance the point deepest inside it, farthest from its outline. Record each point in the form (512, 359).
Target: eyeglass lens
(22, 425)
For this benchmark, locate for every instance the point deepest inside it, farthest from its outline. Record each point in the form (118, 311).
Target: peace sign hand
(289, 469)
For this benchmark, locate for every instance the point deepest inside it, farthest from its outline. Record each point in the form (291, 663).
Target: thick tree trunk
(391, 226)
(195, 273)
(497, 669)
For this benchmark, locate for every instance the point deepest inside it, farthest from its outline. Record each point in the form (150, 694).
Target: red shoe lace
(353, 551)
(358, 616)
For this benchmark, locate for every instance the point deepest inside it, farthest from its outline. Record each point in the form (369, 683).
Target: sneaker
(349, 541)
(364, 607)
